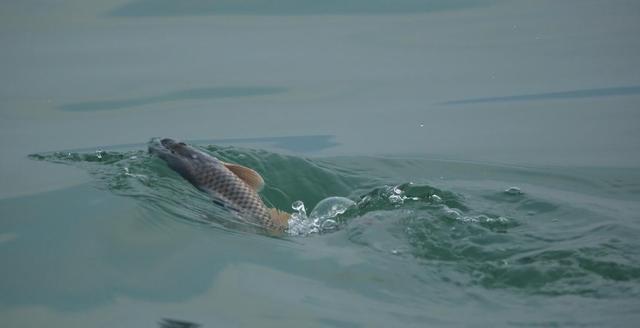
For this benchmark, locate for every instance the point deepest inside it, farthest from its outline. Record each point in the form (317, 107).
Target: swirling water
(392, 241)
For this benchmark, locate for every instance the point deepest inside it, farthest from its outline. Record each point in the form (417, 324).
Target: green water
(490, 146)
(550, 247)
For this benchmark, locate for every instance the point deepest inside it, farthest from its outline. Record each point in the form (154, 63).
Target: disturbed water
(425, 242)
(447, 162)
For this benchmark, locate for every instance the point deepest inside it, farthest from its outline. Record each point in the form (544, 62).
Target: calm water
(490, 147)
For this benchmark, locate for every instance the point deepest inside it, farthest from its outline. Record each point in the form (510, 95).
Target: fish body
(234, 186)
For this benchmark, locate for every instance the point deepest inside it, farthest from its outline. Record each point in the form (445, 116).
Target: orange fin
(280, 218)
(249, 176)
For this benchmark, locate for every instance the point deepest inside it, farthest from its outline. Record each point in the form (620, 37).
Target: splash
(323, 218)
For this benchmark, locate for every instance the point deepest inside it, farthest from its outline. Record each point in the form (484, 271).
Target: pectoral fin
(249, 176)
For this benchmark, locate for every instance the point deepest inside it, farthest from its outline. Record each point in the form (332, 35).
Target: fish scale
(210, 175)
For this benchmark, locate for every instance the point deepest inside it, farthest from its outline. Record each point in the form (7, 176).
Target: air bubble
(331, 207)
(322, 217)
(329, 224)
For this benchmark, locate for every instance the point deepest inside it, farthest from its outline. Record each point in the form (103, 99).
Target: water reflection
(190, 94)
(288, 7)
(171, 323)
(583, 93)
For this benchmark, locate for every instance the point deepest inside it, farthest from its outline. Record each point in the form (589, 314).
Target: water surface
(424, 113)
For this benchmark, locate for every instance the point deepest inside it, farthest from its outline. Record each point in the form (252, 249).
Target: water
(460, 163)
(456, 237)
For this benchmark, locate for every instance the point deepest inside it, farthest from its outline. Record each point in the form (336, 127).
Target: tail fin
(280, 218)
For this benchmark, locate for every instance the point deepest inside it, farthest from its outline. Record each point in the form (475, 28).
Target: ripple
(489, 239)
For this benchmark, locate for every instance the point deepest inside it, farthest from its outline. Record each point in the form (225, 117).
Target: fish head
(187, 160)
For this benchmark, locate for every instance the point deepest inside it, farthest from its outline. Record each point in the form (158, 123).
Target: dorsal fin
(249, 176)
(280, 218)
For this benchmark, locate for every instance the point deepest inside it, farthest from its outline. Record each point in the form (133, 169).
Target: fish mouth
(186, 160)
(179, 156)
(157, 147)
(173, 151)
(165, 146)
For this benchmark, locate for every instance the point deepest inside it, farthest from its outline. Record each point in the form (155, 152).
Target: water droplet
(298, 206)
(395, 199)
(513, 191)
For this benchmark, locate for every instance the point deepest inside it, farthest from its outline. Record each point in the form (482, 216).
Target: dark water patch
(190, 94)
(573, 94)
(289, 7)
(172, 323)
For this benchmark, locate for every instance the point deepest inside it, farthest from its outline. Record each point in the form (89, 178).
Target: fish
(233, 186)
